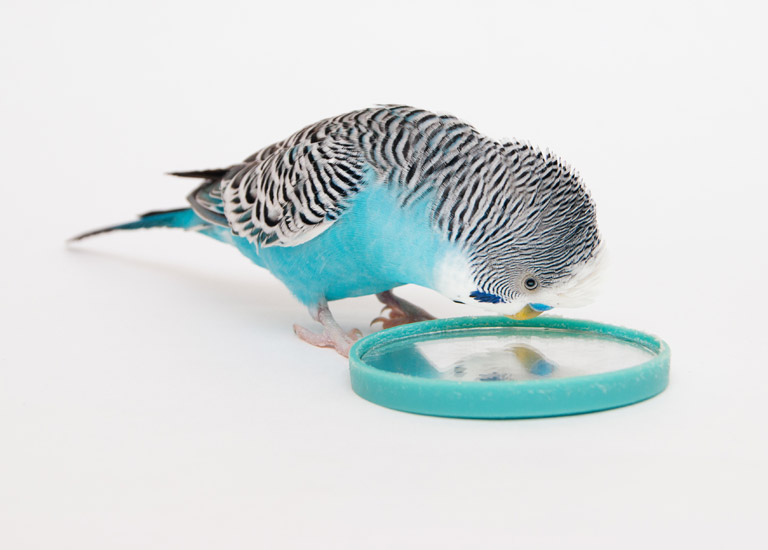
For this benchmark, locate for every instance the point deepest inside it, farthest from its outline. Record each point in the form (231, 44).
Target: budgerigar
(377, 198)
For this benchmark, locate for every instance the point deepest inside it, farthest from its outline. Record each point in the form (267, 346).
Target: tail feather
(213, 175)
(184, 218)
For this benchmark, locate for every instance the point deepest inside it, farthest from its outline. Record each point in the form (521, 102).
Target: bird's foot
(337, 339)
(398, 312)
(333, 336)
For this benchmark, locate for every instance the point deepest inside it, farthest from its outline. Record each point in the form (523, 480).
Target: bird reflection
(514, 362)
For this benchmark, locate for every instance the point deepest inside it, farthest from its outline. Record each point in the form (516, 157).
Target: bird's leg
(333, 336)
(398, 311)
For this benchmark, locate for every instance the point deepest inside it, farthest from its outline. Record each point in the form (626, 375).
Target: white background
(152, 393)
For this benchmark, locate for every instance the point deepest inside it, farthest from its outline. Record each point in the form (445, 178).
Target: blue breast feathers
(374, 246)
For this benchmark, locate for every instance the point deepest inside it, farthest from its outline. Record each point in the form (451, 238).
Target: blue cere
(540, 307)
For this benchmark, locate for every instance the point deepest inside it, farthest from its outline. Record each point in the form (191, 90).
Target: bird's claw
(382, 318)
(392, 316)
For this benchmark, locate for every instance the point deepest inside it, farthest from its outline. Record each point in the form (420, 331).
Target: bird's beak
(526, 313)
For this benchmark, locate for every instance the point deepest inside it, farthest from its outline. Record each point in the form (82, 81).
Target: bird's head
(536, 245)
(522, 292)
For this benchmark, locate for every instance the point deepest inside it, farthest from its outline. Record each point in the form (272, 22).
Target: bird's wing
(291, 192)
(206, 199)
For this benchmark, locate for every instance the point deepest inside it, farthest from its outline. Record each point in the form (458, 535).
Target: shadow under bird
(377, 198)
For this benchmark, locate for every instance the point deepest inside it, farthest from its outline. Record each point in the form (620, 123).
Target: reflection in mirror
(513, 362)
(501, 354)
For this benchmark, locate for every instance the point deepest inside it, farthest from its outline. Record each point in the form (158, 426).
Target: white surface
(152, 394)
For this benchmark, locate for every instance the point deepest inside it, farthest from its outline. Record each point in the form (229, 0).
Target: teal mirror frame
(509, 399)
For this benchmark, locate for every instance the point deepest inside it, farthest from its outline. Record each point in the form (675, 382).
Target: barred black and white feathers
(288, 194)
(294, 189)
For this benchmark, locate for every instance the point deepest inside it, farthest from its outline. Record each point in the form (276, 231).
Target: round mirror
(493, 367)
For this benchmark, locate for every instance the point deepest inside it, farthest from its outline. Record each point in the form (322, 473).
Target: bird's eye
(531, 283)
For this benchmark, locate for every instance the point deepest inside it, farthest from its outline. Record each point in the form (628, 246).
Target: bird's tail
(184, 218)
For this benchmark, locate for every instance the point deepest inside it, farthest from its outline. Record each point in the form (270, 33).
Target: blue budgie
(377, 198)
